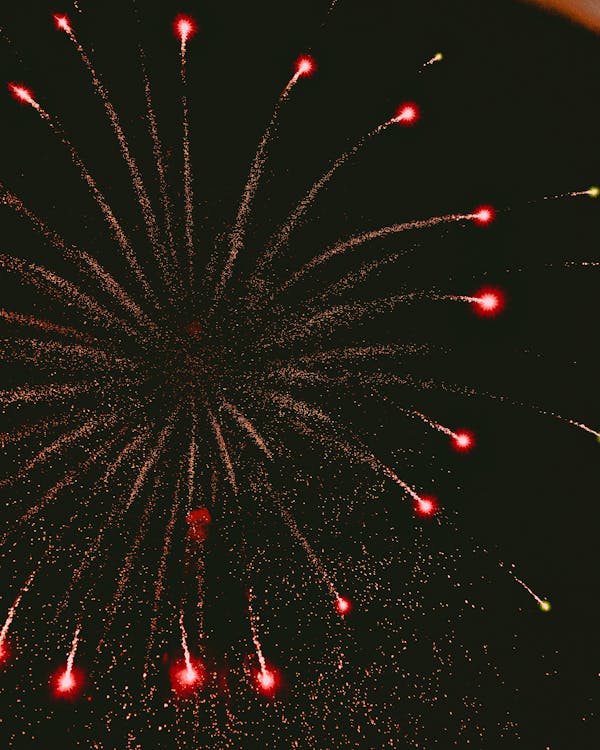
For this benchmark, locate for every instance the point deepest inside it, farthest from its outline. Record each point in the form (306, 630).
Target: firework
(167, 449)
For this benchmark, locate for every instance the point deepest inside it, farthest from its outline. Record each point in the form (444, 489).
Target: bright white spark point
(305, 66)
(22, 94)
(407, 113)
(266, 679)
(62, 23)
(66, 682)
(488, 302)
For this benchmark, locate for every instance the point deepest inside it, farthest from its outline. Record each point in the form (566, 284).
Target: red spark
(488, 302)
(267, 680)
(21, 93)
(4, 653)
(407, 114)
(305, 65)
(343, 605)
(185, 27)
(426, 506)
(463, 441)
(484, 215)
(187, 679)
(67, 683)
(63, 23)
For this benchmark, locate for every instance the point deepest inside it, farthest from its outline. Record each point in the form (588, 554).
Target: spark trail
(160, 582)
(248, 427)
(67, 681)
(406, 115)
(85, 262)
(266, 677)
(356, 452)
(13, 609)
(462, 440)
(304, 67)
(157, 151)
(136, 177)
(61, 289)
(543, 604)
(223, 450)
(118, 512)
(310, 553)
(185, 27)
(374, 234)
(26, 96)
(128, 566)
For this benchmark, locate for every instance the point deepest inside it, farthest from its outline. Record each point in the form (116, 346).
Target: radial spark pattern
(228, 520)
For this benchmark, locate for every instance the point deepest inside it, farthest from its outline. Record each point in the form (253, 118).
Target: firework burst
(183, 402)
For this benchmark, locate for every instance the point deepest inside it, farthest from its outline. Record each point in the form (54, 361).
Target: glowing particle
(185, 27)
(267, 680)
(63, 23)
(593, 192)
(407, 114)
(22, 94)
(463, 441)
(488, 302)
(426, 506)
(67, 683)
(343, 605)
(305, 65)
(545, 605)
(483, 215)
(187, 677)
(4, 653)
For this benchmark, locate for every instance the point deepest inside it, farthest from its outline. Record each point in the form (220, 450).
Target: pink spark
(185, 27)
(407, 114)
(22, 94)
(463, 441)
(305, 65)
(426, 506)
(484, 215)
(343, 605)
(63, 23)
(488, 302)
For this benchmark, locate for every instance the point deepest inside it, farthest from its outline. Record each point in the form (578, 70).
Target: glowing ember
(426, 506)
(488, 302)
(67, 683)
(407, 114)
(463, 441)
(305, 65)
(21, 93)
(267, 680)
(185, 27)
(63, 23)
(545, 606)
(343, 606)
(187, 678)
(484, 215)
(4, 653)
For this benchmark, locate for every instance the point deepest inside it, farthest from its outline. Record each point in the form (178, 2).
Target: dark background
(508, 118)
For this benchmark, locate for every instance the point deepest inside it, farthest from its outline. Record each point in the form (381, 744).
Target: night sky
(508, 118)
